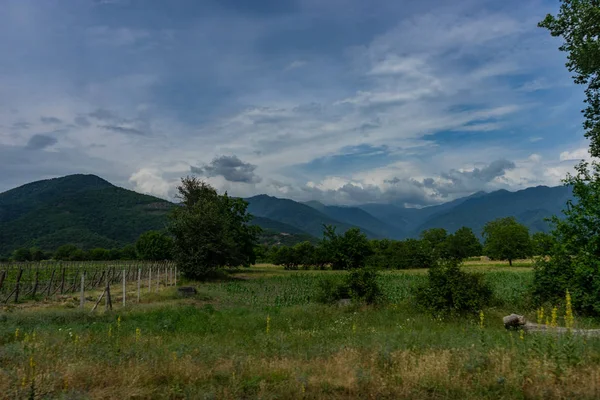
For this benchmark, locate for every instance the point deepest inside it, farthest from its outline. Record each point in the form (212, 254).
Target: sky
(345, 102)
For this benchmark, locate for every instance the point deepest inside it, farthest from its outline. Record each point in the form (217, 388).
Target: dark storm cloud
(231, 168)
(120, 129)
(50, 120)
(39, 142)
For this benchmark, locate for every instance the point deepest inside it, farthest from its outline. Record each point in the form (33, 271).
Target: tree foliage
(154, 245)
(347, 251)
(210, 231)
(578, 23)
(574, 262)
(506, 239)
(448, 288)
(463, 244)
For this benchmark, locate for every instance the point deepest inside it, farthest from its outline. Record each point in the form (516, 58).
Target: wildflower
(540, 315)
(268, 324)
(110, 331)
(354, 328)
(119, 322)
(174, 355)
(138, 334)
(553, 322)
(481, 319)
(569, 319)
(17, 334)
(522, 335)
(76, 339)
(31, 362)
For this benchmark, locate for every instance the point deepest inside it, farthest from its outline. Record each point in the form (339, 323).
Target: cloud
(151, 181)
(82, 121)
(40, 142)
(102, 114)
(577, 154)
(296, 64)
(50, 120)
(123, 129)
(231, 168)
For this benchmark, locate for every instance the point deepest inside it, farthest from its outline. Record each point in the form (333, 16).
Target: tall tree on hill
(506, 239)
(436, 237)
(210, 231)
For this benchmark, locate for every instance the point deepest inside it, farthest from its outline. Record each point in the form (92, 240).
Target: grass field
(260, 334)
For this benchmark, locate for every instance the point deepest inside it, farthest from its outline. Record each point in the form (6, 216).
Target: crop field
(259, 333)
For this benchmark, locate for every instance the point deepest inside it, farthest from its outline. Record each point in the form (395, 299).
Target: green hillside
(89, 212)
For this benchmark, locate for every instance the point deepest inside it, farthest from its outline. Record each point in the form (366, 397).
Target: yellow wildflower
(569, 318)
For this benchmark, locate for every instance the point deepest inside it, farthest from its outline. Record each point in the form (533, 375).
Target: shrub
(360, 285)
(450, 289)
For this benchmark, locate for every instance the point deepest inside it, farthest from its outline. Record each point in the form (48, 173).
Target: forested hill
(88, 211)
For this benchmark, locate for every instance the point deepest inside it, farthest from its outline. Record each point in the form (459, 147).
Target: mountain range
(88, 211)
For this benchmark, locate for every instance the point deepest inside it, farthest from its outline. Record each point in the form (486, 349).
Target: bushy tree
(506, 239)
(155, 246)
(574, 262)
(36, 254)
(462, 244)
(450, 289)
(413, 253)
(210, 231)
(99, 254)
(66, 252)
(437, 238)
(128, 252)
(542, 243)
(348, 251)
(21, 254)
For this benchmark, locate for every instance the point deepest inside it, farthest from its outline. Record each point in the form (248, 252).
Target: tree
(578, 23)
(506, 239)
(36, 254)
(128, 252)
(574, 262)
(436, 237)
(154, 246)
(21, 254)
(542, 243)
(99, 254)
(66, 252)
(210, 231)
(463, 244)
(347, 251)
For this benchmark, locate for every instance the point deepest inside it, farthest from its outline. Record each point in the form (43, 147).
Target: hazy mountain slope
(296, 214)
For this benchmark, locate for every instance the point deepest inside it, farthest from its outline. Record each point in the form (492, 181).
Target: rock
(514, 321)
(344, 302)
(186, 291)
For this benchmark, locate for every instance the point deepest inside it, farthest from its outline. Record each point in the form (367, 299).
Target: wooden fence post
(124, 287)
(62, 281)
(50, 283)
(2, 276)
(35, 284)
(17, 285)
(139, 281)
(82, 297)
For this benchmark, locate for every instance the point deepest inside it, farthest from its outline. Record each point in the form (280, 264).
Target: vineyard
(39, 280)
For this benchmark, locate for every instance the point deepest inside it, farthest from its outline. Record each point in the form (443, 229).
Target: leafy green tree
(542, 243)
(574, 262)
(210, 231)
(437, 239)
(413, 253)
(348, 251)
(21, 254)
(462, 244)
(578, 23)
(99, 254)
(128, 252)
(36, 254)
(154, 245)
(506, 239)
(304, 253)
(66, 252)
